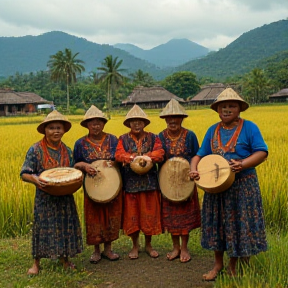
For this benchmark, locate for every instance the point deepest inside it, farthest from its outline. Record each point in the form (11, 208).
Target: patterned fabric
(233, 220)
(102, 220)
(151, 146)
(142, 213)
(56, 227)
(179, 218)
(142, 206)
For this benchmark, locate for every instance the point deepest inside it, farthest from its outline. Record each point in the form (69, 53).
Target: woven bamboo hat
(229, 95)
(136, 113)
(51, 117)
(93, 113)
(173, 108)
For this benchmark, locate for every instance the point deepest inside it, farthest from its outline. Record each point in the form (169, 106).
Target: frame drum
(62, 180)
(140, 165)
(174, 181)
(215, 174)
(106, 184)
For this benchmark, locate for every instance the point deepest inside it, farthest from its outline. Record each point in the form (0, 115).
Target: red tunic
(142, 208)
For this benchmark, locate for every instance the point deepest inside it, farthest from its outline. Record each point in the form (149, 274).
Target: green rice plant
(268, 269)
(19, 133)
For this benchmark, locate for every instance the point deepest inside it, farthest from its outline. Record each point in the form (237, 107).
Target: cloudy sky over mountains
(145, 23)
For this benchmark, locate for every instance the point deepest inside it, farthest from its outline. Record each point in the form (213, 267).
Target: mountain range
(31, 53)
(171, 54)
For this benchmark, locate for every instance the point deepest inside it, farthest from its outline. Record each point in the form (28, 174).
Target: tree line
(64, 84)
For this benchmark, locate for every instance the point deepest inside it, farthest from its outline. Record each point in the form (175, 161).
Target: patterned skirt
(233, 220)
(179, 218)
(142, 212)
(103, 220)
(56, 227)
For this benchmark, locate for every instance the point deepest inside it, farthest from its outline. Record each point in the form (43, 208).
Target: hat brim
(84, 122)
(127, 121)
(41, 127)
(243, 105)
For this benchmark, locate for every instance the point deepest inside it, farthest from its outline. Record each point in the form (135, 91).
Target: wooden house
(150, 97)
(208, 94)
(13, 103)
(280, 96)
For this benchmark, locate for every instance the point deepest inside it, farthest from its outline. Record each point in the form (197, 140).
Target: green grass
(268, 270)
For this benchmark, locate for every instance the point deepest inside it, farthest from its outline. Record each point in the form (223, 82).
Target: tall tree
(64, 66)
(256, 86)
(139, 77)
(182, 84)
(110, 74)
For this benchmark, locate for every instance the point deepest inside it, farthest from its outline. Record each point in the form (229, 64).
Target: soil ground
(146, 272)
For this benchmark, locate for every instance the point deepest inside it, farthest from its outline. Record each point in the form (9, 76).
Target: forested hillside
(173, 53)
(244, 54)
(31, 53)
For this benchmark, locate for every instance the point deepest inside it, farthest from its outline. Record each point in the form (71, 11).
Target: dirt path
(146, 272)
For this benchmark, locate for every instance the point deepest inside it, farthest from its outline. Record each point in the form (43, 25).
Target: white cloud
(211, 23)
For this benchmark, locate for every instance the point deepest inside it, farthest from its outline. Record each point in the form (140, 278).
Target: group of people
(230, 221)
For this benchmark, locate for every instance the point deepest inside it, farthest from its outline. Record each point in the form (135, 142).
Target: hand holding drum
(141, 164)
(214, 174)
(61, 181)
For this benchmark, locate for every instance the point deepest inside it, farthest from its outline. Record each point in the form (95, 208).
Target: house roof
(281, 93)
(12, 97)
(142, 94)
(209, 92)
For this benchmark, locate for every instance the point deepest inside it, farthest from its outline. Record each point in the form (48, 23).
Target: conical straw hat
(173, 108)
(93, 113)
(54, 116)
(136, 113)
(229, 95)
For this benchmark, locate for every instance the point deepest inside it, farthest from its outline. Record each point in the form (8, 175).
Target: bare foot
(185, 256)
(133, 253)
(95, 257)
(212, 275)
(34, 270)
(110, 255)
(175, 253)
(151, 252)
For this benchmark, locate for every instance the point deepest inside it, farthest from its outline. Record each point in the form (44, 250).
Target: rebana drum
(174, 180)
(215, 174)
(62, 180)
(141, 165)
(106, 184)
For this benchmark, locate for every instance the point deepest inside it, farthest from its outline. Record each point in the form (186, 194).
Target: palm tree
(256, 85)
(110, 75)
(64, 66)
(141, 78)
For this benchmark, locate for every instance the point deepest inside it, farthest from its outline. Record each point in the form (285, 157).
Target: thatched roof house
(208, 94)
(280, 96)
(150, 97)
(12, 103)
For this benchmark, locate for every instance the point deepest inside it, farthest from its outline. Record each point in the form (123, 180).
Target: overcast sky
(145, 23)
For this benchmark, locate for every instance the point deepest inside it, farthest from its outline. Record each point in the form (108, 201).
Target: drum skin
(215, 174)
(175, 183)
(106, 184)
(61, 181)
(140, 165)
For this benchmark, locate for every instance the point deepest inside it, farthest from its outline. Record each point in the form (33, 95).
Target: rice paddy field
(16, 196)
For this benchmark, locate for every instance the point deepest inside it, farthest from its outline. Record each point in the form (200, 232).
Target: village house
(14, 103)
(150, 97)
(208, 94)
(280, 96)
